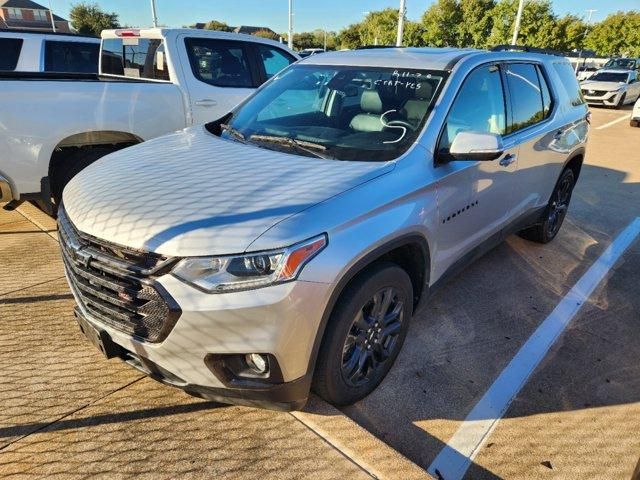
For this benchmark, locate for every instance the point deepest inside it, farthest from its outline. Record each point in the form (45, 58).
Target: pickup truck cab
(29, 51)
(288, 244)
(151, 82)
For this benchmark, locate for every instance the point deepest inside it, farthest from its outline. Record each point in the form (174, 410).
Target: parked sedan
(611, 88)
(635, 115)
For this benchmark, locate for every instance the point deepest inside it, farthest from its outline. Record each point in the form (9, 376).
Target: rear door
(222, 74)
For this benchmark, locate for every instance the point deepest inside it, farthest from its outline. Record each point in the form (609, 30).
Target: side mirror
(476, 146)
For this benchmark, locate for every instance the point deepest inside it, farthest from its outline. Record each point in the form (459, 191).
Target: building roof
(28, 4)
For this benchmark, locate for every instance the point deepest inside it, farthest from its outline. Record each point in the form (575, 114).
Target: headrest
(230, 65)
(370, 101)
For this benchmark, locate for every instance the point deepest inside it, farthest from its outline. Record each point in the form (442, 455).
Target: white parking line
(613, 122)
(454, 459)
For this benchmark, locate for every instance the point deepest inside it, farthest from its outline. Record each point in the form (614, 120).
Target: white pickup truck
(29, 51)
(151, 82)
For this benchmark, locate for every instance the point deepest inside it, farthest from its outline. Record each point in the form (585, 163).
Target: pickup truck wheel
(67, 168)
(555, 212)
(364, 335)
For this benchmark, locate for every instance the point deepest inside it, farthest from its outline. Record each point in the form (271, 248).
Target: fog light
(257, 362)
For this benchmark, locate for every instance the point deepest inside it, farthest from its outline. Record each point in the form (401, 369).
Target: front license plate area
(99, 338)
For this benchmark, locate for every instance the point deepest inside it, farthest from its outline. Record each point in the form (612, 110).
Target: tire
(634, 123)
(67, 168)
(621, 101)
(355, 354)
(555, 211)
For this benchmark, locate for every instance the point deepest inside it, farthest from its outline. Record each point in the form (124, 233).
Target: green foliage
(618, 34)
(380, 28)
(89, 19)
(350, 36)
(217, 25)
(441, 23)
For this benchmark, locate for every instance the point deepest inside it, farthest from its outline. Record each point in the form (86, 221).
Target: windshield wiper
(300, 145)
(236, 134)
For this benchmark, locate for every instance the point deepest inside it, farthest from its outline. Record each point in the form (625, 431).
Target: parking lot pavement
(579, 410)
(68, 412)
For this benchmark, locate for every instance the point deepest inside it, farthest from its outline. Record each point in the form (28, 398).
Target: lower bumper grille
(116, 286)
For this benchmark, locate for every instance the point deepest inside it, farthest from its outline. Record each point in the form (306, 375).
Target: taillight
(128, 33)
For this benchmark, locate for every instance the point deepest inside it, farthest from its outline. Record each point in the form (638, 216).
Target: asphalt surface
(67, 412)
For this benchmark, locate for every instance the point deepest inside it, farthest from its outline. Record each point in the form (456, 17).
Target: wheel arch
(400, 251)
(574, 162)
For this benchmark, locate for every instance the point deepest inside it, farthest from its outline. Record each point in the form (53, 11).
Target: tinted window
(610, 77)
(479, 107)
(274, 60)
(546, 93)
(135, 57)
(9, 53)
(220, 63)
(526, 95)
(76, 57)
(569, 82)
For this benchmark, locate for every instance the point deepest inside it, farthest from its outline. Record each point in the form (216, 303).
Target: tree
(441, 23)
(264, 33)
(349, 37)
(89, 19)
(618, 34)
(568, 34)
(380, 28)
(413, 34)
(217, 25)
(476, 23)
(536, 30)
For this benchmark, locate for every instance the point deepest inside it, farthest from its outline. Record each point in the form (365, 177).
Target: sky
(308, 14)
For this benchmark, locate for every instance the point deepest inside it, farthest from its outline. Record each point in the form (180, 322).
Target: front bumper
(281, 321)
(609, 99)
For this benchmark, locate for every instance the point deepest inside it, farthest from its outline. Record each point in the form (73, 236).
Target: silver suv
(286, 246)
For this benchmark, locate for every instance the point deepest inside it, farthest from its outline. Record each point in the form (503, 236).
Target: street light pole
(154, 17)
(53, 22)
(516, 30)
(401, 14)
(586, 29)
(290, 43)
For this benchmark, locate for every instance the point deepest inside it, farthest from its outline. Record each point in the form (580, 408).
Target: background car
(635, 115)
(612, 88)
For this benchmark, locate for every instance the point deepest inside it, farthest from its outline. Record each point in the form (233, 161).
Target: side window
(526, 95)
(547, 102)
(569, 83)
(274, 60)
(73, 57)
(479, 107)
(219, 62)
(135, 57)
(9, 53)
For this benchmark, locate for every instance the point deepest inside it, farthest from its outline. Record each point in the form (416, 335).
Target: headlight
(248, 271)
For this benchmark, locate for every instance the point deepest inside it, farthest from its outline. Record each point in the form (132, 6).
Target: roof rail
(525, 48)
(369, 47)
(44, 32)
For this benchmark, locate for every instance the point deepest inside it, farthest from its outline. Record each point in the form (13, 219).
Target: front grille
(116, 285)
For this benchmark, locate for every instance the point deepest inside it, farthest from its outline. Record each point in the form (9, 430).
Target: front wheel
(364, 335)
(555, 212)
(622, 100)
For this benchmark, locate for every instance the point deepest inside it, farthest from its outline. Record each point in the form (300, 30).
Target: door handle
(206, 102)
(507, 160)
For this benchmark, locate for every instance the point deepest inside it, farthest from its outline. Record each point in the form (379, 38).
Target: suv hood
(605, 86)
(191, 193)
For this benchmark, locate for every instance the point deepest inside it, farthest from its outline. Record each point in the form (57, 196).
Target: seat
(415, 109)
(369, 120)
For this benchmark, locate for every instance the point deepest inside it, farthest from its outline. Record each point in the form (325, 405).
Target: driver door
(475, 197)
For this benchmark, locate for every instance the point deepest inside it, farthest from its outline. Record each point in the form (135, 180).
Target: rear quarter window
(569, 82)
(9, 53)
(71, 57)
(222, 63)
(135, 58)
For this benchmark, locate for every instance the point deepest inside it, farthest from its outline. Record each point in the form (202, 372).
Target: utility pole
(325, 40)
(290, 43)
(586, 30)
(516, 30)
(154, 17)
(401, 14)
(53, 22)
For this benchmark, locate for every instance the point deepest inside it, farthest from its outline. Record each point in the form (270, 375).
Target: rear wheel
(364, 335)
(555, 212)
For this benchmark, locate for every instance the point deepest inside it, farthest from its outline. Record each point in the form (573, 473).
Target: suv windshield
(610, 77)
(338, 112)
(626, 63)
